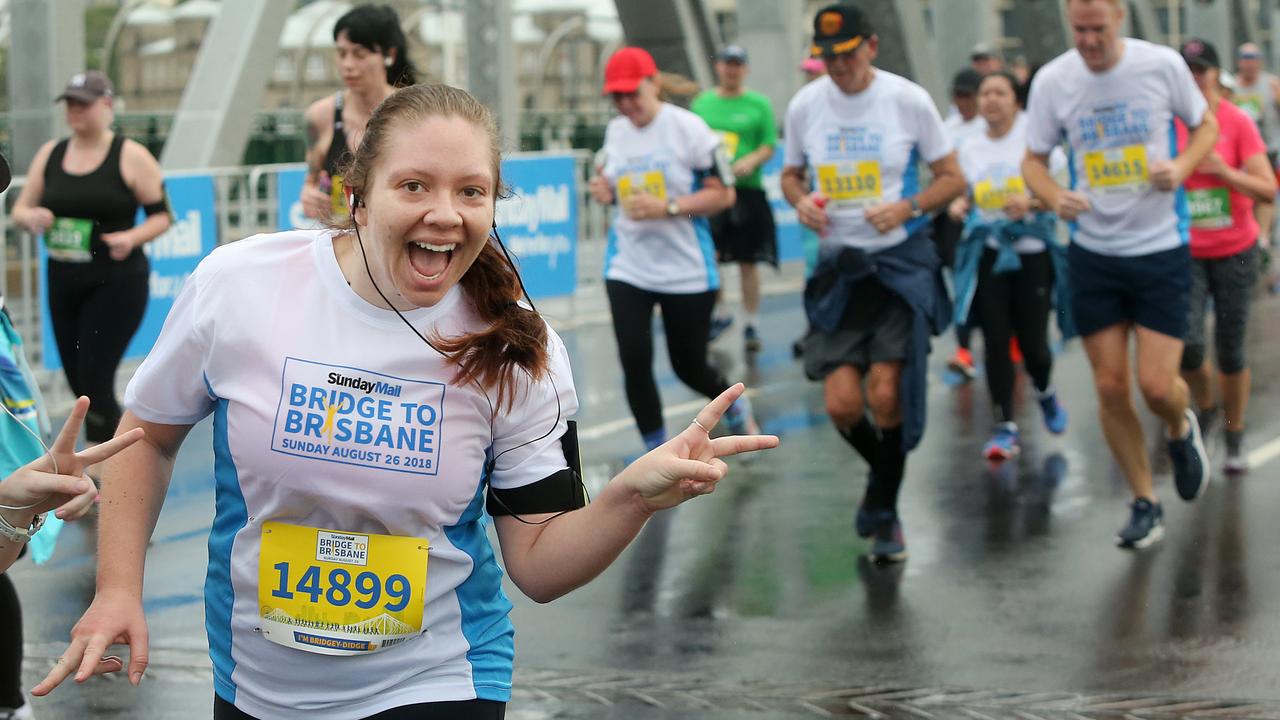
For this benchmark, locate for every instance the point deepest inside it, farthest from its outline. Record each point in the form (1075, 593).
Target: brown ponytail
(672, 85)
(516, 337)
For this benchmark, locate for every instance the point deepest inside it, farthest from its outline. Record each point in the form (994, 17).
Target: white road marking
(1265, 454)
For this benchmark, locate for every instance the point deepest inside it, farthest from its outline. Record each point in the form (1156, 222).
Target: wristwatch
(916, 210)
(17, 534)
(673, 208)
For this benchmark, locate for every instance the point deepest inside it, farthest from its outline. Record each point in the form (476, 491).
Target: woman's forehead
(439, 144)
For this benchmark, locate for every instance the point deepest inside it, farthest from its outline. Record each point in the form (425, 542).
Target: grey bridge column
(905, 48)
(1043, 26)
(1211, 20)
(214, 120)
(46, 49)
(958, 26)
(490, 54)
(772, 31)
(680, 34)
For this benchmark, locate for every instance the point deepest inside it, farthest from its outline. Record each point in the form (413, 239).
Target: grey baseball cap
(86, 87)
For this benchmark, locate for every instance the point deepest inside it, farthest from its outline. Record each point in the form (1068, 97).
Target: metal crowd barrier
(246, 201)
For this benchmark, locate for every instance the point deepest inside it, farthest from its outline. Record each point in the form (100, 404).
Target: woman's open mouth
(430, 261)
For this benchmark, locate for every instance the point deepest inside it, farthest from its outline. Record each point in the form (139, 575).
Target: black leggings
(96, 309)
(1009, 304)
(1230, 282)
(687, 320)
(458, 710)
(10, 645)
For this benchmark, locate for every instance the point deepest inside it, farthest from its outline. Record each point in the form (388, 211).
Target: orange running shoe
(962, 363)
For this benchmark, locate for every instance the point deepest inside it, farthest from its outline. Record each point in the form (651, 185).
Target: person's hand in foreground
(690, 464)
(108, 620)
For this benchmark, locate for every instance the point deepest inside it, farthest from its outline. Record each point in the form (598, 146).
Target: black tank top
(337, 155)
(101, 196)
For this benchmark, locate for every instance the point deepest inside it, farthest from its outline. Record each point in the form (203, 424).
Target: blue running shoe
(740, 419)
(1146, 525)
(751, 339)
(1003, 444)
(889, 545)
(718, 326)
(1055, 416)
(1190, 461)
(864, 523)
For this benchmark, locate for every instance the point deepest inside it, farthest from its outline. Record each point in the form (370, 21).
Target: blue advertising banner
(174, 256)
(539, 222)
(790, 241)
(288, 205)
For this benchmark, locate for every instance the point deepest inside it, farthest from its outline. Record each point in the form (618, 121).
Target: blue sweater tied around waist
(1007, 232)
(911, 270)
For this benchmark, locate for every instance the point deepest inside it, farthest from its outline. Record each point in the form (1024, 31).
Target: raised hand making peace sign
(690, 464)
(56, 480)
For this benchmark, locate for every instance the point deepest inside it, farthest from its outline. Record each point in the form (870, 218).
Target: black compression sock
(864, 438)
(889, 467)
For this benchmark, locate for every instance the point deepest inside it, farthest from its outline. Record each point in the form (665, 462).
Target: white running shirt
(960, 131)
(863, 150)
(329, 413)
(1117, 123)
(993, 170)
(669, 157)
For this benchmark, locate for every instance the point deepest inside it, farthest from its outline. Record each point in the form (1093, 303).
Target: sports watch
(916, 210)
(17, 534)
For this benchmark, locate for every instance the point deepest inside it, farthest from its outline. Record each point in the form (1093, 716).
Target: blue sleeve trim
(485, 609)
(230, 517)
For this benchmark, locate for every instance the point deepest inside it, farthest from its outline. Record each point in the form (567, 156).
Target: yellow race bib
(647, 183)
(991, 196)
(1122, 169)
(853, 184)
(337, 198)
(340, 593)
(730, 140)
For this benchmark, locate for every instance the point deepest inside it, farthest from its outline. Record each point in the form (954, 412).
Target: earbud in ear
(388, 62)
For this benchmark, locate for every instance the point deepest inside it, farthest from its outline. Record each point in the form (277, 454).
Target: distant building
(160, 40)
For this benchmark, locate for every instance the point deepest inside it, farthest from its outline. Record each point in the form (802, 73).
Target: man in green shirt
(744, 234)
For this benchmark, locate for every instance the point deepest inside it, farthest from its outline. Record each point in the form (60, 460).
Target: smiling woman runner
(666, 170)
(374, 389)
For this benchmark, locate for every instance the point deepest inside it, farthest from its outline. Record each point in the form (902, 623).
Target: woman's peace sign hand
(690, 463)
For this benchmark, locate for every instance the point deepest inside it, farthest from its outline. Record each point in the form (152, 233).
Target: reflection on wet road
(755, 602)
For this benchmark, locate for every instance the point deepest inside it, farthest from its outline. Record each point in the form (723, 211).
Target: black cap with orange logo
(839, 29)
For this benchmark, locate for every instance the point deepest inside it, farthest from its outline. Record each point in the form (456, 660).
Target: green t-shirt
(745, 122)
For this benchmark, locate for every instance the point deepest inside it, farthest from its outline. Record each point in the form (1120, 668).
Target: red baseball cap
(626, 69)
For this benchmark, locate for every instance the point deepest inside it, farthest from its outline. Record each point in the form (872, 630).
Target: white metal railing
(247, 202)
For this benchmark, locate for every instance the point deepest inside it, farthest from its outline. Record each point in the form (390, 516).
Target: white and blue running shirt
(267, 320)
(669, 158)
(1116, 124)
(993, 169)
(864, 149)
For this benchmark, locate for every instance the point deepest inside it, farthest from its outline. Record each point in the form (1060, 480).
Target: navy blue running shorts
(1153, 290)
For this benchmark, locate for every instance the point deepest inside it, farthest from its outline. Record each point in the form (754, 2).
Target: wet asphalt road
(756, 602)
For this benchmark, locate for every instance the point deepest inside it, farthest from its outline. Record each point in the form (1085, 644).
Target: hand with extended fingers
(64, 489)
(70, 482)
(690, 464)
